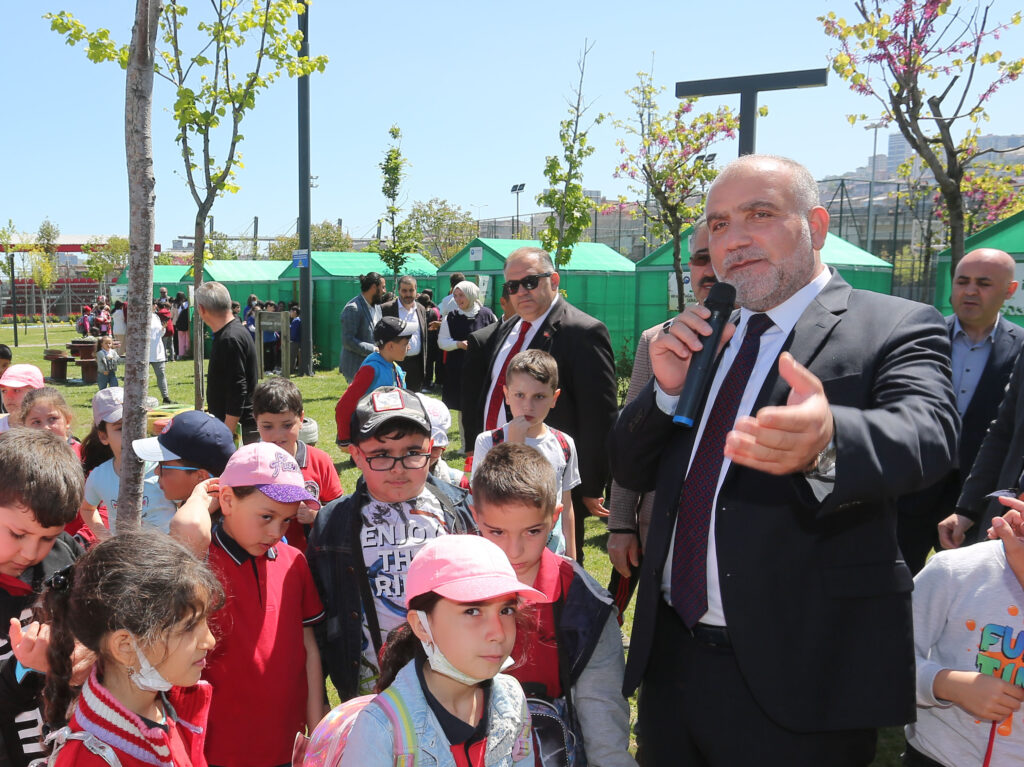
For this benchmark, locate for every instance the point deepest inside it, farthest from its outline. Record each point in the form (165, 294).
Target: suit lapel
(547, 332)
(989, 384)
(807, 338)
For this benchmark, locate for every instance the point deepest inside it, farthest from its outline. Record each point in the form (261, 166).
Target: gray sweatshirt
(968, 616)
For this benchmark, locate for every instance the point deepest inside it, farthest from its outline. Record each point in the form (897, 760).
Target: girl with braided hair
(140, 602)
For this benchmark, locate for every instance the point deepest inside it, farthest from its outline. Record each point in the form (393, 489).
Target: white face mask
(439, 663)
(147, 678)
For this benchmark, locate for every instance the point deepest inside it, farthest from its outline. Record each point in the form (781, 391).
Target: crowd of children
(206, 636)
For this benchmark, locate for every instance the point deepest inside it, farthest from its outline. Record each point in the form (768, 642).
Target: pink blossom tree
(922, 61)
(666, 155)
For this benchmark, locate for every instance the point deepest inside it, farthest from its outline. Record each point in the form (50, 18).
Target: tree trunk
(955, 208)
(677, 267)
(197, 324)
(138, 109)
(46, 335)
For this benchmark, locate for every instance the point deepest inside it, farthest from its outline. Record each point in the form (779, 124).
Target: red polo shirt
(536, 651)
(321, 481)
(258, 668)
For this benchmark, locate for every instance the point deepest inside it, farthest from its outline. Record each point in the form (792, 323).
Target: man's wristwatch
(824, 464)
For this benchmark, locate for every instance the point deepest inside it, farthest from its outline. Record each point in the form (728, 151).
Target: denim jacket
(335, 557)
(371, 742)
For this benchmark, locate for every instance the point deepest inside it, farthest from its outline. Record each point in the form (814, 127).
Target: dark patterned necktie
(498, 393)
(690, 552)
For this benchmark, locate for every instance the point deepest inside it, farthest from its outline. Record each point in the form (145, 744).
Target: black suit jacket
(984, 405)
(390, 309)
(1000, 458)
(815, 592)
(586, 375)
(940, 500)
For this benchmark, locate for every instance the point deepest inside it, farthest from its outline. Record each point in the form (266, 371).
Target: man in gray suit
(985, 350)
(358, 319)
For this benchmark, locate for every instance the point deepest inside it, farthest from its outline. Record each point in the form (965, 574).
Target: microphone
(720, 301)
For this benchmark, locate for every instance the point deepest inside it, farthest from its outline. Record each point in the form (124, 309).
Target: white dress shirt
(506, 347)
(412, 319)
(785, 317)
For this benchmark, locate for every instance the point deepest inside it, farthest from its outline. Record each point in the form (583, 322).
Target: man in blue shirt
(985, 348)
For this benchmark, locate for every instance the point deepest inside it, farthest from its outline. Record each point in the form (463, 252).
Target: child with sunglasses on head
(441, 670)
(140, 603)
(361, 545)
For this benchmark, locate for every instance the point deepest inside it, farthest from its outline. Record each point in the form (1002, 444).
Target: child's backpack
(327, 743)
(498, 436)
(93, 744)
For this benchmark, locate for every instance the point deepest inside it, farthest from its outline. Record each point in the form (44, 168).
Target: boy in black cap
(361, 545)
(194, 447)
(378, 369)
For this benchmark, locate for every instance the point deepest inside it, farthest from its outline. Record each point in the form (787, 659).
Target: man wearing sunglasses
(586, 371)
(702, 274)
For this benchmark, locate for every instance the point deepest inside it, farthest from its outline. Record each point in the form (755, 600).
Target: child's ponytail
(94, 451)
(402, 644)
(143, 582)
(58, 692)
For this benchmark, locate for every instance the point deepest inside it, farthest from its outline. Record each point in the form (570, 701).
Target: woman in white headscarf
(468, 316)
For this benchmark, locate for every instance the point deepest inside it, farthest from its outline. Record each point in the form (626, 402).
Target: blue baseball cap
(197, 438)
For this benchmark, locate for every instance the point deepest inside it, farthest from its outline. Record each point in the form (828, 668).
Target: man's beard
(764, 291)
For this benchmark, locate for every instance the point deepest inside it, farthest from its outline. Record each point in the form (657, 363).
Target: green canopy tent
(243, 278)
(170, 276)
(655, 282)
(336, 282)
(1006, 235)
(597, 280)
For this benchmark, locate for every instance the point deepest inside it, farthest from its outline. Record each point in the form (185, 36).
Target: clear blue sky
(477, 88)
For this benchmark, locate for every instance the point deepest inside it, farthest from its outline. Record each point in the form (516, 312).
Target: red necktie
(497, 394)
(690, 552)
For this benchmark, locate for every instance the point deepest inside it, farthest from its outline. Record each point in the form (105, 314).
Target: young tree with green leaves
(443, 229)
(666, 156)
(107, 257)
(220, 248)
(922, 61)
(570, 208)
(213, 93)
(395, 251)
(43, 264)
(324, 236)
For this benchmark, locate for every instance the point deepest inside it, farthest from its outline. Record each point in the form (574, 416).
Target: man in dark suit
(773, 621)
(586, 372)
(358, 319)
(1000, 458)
(985, 347)
(407, 308)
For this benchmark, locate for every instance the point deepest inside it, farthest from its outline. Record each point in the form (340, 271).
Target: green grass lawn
(320, 394)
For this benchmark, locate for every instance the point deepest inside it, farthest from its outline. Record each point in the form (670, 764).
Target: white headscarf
(472, 292)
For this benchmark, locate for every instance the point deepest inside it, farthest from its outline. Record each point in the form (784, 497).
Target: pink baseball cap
(270, 470)
(19, 376)
(464, 568)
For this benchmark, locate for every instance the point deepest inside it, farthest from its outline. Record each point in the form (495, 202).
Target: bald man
(985, 350)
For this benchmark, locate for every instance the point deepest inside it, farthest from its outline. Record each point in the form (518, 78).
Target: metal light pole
(516, 190)
(871, 186)
(305, 270)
